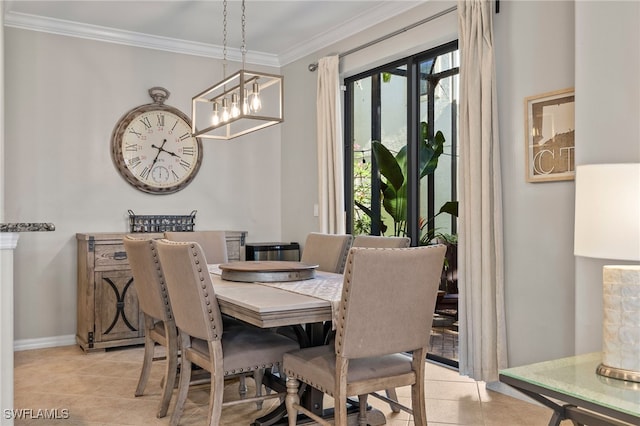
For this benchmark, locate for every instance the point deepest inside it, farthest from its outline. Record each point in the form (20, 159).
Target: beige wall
(607, 126)
(534, 55)
(2, 115)
(63, 97)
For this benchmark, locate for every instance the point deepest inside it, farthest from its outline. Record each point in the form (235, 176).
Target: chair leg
(170, 370)
(149, 347)
(258, 375)
(418, 405)
(183, 390)
(242, 387)
(340, 410)
(340, 393)
(215, 397)
(292, 399)
(391, 394)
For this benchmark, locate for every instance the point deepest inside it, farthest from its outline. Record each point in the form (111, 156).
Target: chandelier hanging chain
(235, 104)
(224, 39)
(244, 36)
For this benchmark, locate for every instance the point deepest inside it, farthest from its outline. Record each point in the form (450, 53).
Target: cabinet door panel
(116, 306)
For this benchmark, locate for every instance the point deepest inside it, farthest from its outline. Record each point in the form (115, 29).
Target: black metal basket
(161, 223)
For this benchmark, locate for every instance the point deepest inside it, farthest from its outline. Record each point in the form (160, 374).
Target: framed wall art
(550, 136)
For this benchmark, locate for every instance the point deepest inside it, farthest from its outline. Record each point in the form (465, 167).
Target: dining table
(306, 306)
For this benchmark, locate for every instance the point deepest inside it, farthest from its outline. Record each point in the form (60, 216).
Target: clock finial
(159, 94)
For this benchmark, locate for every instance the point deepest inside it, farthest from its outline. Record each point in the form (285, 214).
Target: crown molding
(367, 19)
(129, 38)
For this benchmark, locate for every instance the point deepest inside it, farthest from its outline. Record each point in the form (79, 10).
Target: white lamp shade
(607, 211)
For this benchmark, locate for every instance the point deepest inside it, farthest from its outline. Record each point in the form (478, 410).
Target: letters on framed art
(550, 136)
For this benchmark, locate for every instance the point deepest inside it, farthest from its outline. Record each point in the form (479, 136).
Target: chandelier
(242, 103)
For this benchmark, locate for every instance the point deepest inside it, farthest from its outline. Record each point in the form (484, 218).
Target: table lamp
(607, 226)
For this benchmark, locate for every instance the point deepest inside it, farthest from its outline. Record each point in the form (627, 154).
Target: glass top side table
(588, 398)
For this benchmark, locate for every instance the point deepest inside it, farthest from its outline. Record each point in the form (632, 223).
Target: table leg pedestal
(278, 416)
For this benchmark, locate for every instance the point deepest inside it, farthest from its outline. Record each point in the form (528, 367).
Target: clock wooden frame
(137, 180)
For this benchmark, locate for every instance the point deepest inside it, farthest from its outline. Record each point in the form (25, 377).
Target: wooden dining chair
(160, 327)
(378, 241)
(378, 324)
(214, 248)
(225, 353)
(213, 243)
(328, 251)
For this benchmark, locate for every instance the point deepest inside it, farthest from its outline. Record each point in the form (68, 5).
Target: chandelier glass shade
(241, 103)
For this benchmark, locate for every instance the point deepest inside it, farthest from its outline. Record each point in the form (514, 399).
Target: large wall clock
(153, 148)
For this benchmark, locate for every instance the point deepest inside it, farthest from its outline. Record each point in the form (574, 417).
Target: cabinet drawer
(110, 255)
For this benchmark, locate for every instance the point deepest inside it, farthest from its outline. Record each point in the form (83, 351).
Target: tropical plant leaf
(387, 164)
(366, 210)
(450, 207)
(401, 159)
(393, 187)
(383, 185)
(430, 153)
(395, 203)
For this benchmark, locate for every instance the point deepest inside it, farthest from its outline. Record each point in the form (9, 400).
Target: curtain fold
(331, 212)
(483, 346)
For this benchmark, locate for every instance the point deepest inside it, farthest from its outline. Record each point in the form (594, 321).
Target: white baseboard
(44, 342)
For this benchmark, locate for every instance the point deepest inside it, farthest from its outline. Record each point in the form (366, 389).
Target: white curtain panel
(483, 346)
(330, 148)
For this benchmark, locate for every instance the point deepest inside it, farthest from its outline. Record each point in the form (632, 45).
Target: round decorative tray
(267, 271)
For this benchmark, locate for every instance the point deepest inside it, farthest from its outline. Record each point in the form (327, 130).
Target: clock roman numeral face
(155, 151)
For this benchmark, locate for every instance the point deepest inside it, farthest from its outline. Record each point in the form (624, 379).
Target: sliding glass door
(400, 163)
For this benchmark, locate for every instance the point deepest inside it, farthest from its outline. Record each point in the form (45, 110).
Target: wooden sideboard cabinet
(108, 312)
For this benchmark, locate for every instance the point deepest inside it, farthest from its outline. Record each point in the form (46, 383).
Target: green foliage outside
(361, 196)
(393, 183)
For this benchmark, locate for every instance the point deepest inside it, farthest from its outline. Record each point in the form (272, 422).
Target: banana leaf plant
(393, 184)
(432, 234)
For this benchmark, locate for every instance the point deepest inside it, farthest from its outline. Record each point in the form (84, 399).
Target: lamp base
(621, 323)
(618, 373)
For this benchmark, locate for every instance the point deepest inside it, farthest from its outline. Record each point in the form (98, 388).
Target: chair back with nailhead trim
(189, 285)
(328, 251)
(212, 243)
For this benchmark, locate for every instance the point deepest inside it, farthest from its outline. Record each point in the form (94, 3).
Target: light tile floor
(98, 388)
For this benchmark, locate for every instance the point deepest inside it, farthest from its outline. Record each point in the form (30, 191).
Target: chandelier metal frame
(241, 103)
